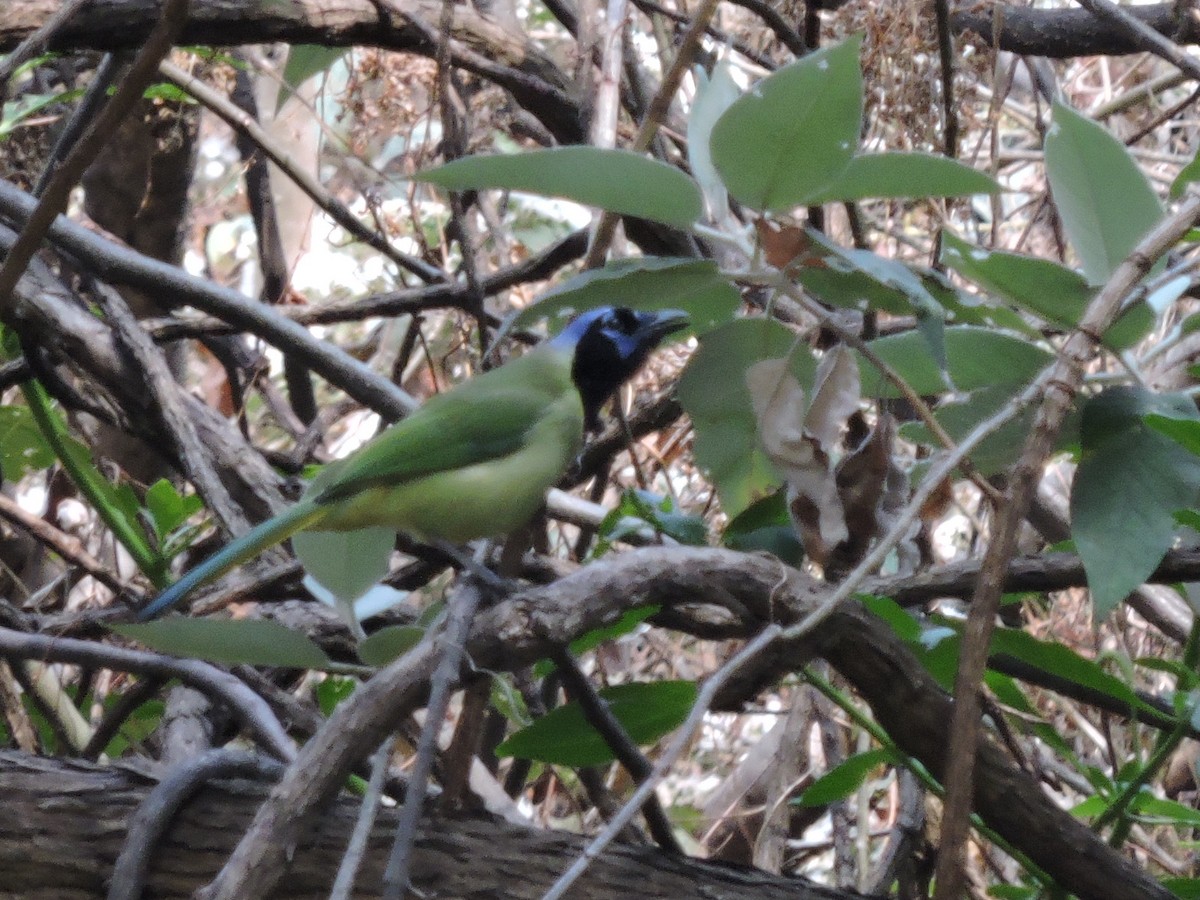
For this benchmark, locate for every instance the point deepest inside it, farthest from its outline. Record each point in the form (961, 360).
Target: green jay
(473, 462)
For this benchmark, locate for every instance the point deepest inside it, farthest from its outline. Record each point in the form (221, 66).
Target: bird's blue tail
(248, 546)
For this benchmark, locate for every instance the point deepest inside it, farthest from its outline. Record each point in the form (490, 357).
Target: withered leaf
(800, 440)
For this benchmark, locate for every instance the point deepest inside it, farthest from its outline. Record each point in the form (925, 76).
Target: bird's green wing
(486, 418)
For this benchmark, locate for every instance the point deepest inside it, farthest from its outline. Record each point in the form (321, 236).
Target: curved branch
(118, 265)
(252, 711)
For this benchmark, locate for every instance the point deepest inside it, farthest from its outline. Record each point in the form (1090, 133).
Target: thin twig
(946, 52)
(655, 116)
(36, 42)
(85, 111)
(597, 713)
(672, 753)
(177, 426)
(69, 547)
(453, 640)
(272, 261)
(244, 124)
(410, 301)
(606, 106)
(119, 265)
(114, 717)
(356, 847)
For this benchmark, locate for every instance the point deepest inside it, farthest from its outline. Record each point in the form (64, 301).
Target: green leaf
(171, 93)
(712, 390)
(389, 643)
(1161, 811)
(136, 727)
(1190, 518)
(119, 499)
(1183, 888)
(1185, 432)
(644, 283)
(117, 507)
(848, 278)
(1040, 286)
(841, 282)
(1059, 659)
(241, 641)
(1054, 292)
(333, 690)
(168, 509)
(788, 138)
(563, 737)
(1188, 174)
(965, 308)
(508, 701)
(962, 413)
(1090, 807)
(22, 447)
(1129, 483)
(597, 636)
(1009, 693)
(16, 111)
(765, 527)
(1105, 202)
(975, 358)
(303, 62)
(614, 180)
(347, 563)
(1131, 326)
(903, 175)
(845, 778)
(901, 621)
(624, 625)
(638, 509)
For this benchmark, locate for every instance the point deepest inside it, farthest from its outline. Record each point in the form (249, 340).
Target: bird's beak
(654, 326)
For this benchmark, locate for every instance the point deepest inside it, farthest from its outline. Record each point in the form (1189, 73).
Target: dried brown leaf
(835, 397)
(781, 243)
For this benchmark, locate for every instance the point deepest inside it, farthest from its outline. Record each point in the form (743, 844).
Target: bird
(473, 462)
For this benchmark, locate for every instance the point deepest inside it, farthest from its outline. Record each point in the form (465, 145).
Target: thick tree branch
(80, 811)
(1062, 33)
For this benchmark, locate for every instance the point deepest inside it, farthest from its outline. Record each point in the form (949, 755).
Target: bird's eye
(624, 319)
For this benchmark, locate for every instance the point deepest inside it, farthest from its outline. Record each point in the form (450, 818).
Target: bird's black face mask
(615, 344)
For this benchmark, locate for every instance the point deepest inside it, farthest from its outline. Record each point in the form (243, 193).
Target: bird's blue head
(609, 345)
